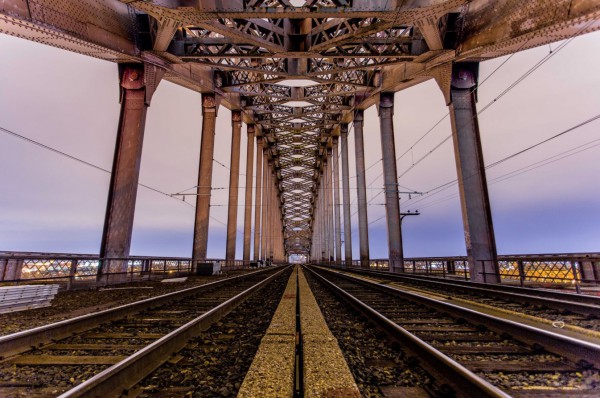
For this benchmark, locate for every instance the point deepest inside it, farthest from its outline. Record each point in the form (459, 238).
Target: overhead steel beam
(242, 50)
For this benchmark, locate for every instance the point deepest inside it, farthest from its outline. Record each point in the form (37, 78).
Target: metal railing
(572, 268)
(81, 269)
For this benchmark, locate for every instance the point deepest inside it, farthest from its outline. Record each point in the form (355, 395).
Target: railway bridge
(299, 74)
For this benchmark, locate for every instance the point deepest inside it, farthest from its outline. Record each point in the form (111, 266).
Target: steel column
(209, 116)
(336, 201)
(234, 182)
(329, 191)
(265, 203)
(361, 185)
(258, 201)
(346, 197)
(276, 218)
(319, 231)
(390, 179)
(324, 257)
(279, 234)
(317, 253)
(272, 214)
(315, 224)
(319, 228)
(248, 198)
(476, 211)
(325, 208)
(122, 194)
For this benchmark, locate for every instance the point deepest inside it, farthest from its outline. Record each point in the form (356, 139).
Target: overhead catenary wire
(92, 165)
(490, 104)
(356, 106)
(514, 84)
(522, 170)
(447, 185)
(431, 129)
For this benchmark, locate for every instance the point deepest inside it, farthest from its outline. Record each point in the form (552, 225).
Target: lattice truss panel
(345, 51)
(258, 53)
(245, 50)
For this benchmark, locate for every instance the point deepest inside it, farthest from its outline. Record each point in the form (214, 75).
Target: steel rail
(25, 340)
(463, 382)
(577, 351)
(131, 370)
(586, 305)
(547, 293)
(583, 298)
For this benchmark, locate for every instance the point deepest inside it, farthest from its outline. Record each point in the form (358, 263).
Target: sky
(545, 200)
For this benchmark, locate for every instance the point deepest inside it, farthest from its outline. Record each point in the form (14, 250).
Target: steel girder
(243, 50)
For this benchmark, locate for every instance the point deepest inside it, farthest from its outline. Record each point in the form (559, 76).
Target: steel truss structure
(252, 55)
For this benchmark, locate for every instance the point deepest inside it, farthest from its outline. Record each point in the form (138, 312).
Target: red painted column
(265, 204)
(258, 198)
(472, 183)
(122, 194)
(234, 182)
(361, 188)
(209, 116)
(390, 178)
(248, 195)
(346, 197)
(336, 202)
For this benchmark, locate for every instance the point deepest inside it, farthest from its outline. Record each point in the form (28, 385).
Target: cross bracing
(245, 52)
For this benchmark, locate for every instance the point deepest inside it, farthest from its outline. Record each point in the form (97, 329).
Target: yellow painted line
(271, 374)
(326, 373)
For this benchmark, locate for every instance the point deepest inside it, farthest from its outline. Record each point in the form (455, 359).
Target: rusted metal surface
(248, 194)
(118, 224)
(258, 198)
(361, 188)
(209, 115)
(470, 168)
(234, 182)
(390, 181)
(336, 201)
(265, 205)
(240, 52)
(346, 196)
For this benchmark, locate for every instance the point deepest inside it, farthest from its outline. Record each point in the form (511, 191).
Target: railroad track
(117, 344)
(573, 309)
(474, 353)
(216, 362)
